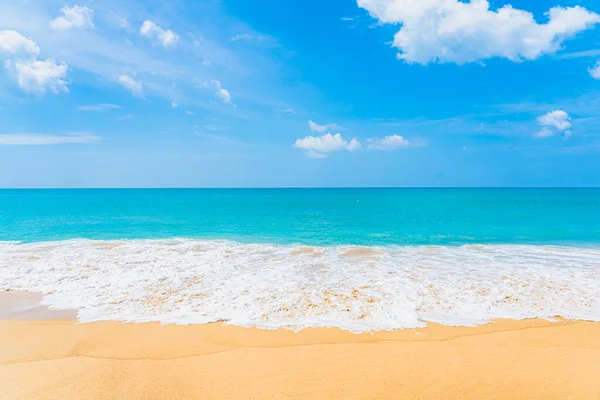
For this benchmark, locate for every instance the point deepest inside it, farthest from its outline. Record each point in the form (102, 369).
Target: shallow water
(271, 286)
(358, 259)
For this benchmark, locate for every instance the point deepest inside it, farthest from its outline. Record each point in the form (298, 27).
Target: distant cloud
(150, 30)
(284, 110)
(99, 107)
(36, 139)
(579, 54)
(38, 77)
(393, 142)
(74, 17)
(543, 133)
(557, 121)
(240, 36)
(131, 84)
(256, 39)
(319, 146)
(222, 93)
(454, 31)
(32, 75)
(13, 43)
(313, 126)
(595, 71)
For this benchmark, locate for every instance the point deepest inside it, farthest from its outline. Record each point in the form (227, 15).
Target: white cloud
(240, 36)
(40, 76)
(32, 75)
(131, 84)
(101, 55)
(36, 139)
(12, 42)
(318, 146)
(222, 94)
(392, 142)
(313, 126)
(256, 39)
(314, 154)
(543, 133)
(152, 31)
(174, 104)
(99, 107)
(556, 121)
(74, 17)
(595, 71)
(452, 31)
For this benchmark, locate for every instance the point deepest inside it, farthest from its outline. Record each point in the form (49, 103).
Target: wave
(268, 286)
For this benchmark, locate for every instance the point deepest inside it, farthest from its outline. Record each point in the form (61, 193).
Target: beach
(299, 294)
(47, 354)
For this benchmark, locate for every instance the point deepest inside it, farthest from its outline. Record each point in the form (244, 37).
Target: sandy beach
(47, 355)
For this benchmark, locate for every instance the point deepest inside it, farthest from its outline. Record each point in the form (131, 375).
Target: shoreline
(61, 359)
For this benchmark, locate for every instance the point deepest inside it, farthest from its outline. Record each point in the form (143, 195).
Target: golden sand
(62, 360)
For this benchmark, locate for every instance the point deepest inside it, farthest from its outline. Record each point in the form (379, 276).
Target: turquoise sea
(307, 216)
(356, 259)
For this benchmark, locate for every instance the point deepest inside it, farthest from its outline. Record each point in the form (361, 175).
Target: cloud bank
(452, 31)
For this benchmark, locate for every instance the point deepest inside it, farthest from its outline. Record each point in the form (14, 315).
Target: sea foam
(358, 289)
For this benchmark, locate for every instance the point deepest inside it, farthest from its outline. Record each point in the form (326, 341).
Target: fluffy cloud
(32, 75)
(152, 31)
(73, 17)
(319, 146)
(222, 93)
(452, 31)
(99, 107)
(36, 139)
(595, 71)
(393, 142)
(131, 84)
(557, 121)
(313, 126)
(13, 43)
(40, 76)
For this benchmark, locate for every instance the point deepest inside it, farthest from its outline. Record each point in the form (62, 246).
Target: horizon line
(290, 187)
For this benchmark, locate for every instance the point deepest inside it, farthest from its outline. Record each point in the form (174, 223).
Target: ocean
(356, 259)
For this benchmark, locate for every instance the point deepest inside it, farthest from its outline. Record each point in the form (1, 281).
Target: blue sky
(234, 93)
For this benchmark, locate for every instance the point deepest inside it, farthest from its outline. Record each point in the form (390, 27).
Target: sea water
(357, 259)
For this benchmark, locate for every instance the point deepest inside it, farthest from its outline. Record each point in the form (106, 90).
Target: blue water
(307, 216)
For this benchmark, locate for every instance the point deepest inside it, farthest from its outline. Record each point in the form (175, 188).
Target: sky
(312, 93)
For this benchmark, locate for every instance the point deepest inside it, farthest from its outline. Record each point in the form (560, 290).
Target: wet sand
(45, 354)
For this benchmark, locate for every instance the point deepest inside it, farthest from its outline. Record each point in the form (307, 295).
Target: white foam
(272, 286)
